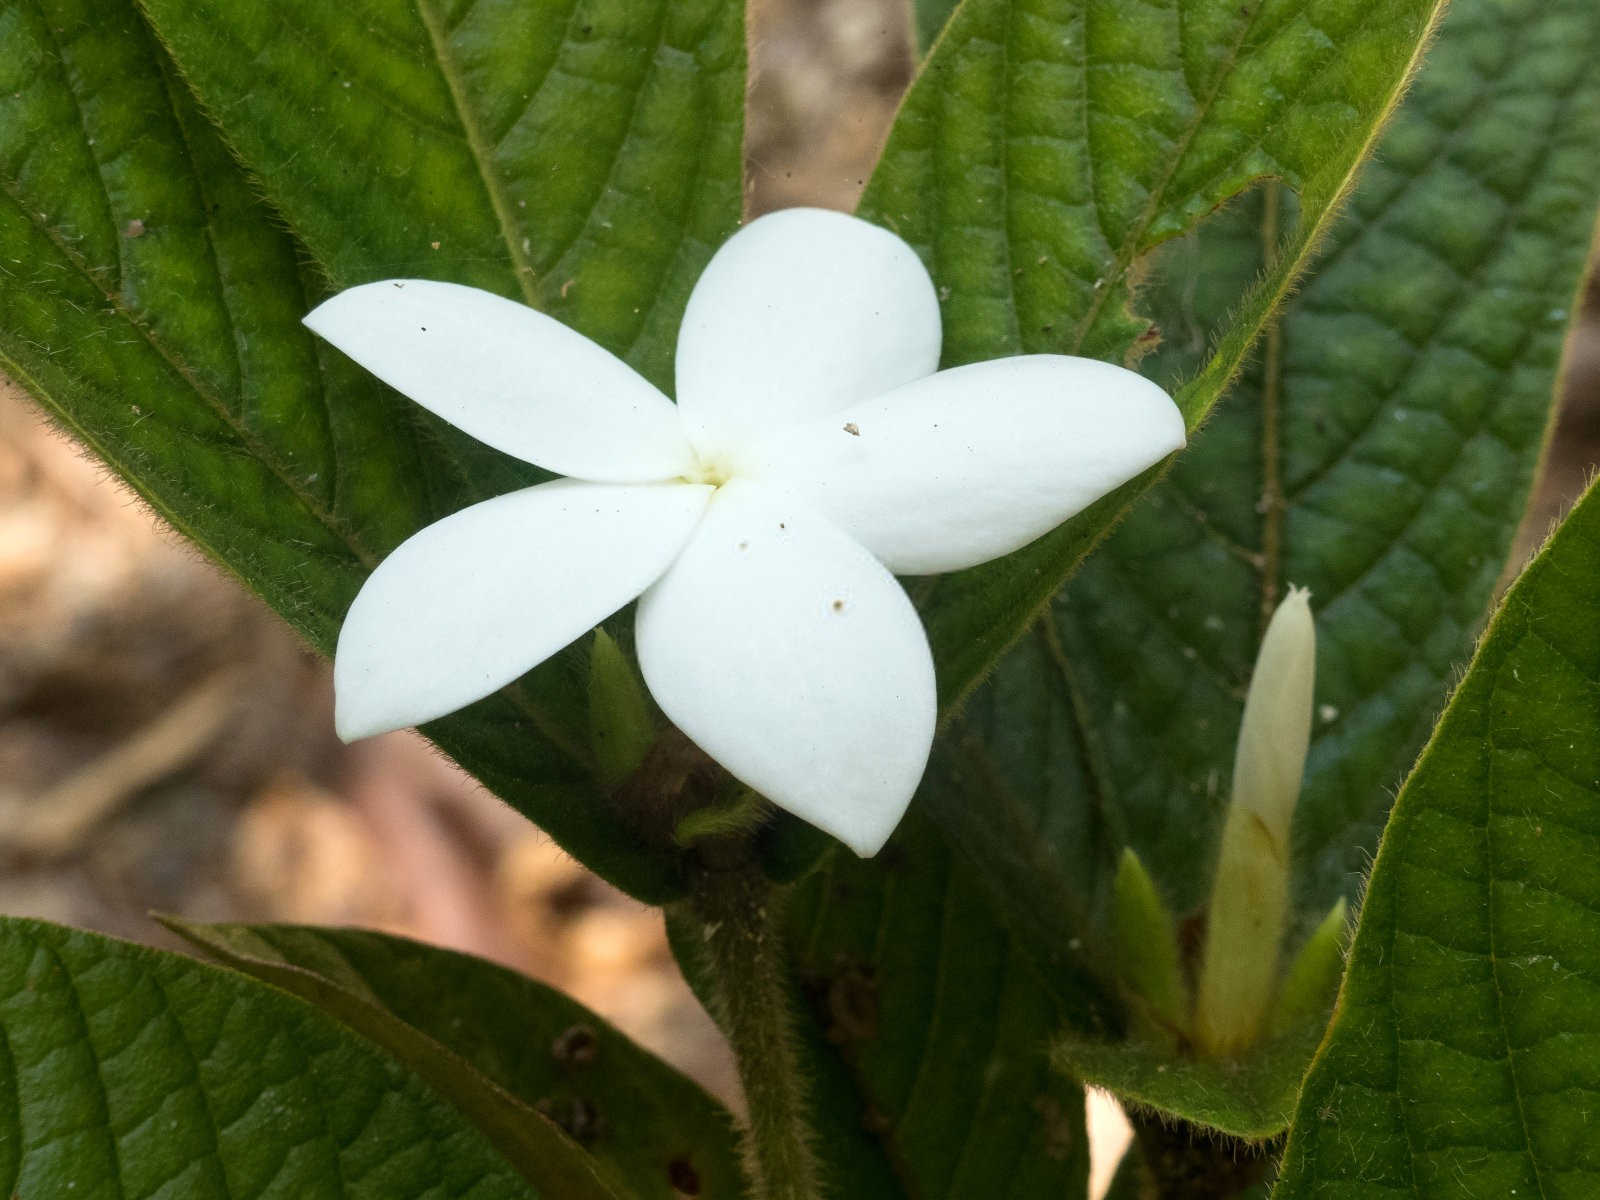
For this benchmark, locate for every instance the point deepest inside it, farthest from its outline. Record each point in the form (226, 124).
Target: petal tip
(361, 709)
(1178, 428)
(867, 845)
(352, 299)
(1169, 431)
(352, 724)
(864, 825)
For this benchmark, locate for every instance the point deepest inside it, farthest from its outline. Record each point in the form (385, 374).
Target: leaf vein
(479, 149)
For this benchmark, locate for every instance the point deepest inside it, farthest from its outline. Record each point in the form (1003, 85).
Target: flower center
(716, 472)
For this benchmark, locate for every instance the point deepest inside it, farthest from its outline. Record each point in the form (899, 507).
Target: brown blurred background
(165, 742)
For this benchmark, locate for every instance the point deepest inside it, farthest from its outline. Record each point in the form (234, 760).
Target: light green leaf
(1401, 405)
(151, 302)
(1464, 1057)
(504, 1048)
(1049, 145)
(130, 1072)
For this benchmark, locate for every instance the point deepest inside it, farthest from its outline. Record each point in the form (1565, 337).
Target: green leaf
(929, 17)
(1249, 1097)
(132, 254)
(151, 302)
(923, 1032)
(503, 1048)
(926, 1029)
(582, 157)
(130, 1072)
(1046, 148)
(1049, 145)
(1464, 1057)
(1400, 404)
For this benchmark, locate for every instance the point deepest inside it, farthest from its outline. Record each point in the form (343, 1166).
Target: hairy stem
(738, 914)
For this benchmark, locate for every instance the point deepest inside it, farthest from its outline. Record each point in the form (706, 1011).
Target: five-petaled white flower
(812, 455)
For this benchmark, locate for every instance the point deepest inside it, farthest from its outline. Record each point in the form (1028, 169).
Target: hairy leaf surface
(1049, 145)
(1379, 453)
(582, 158)
(127, 1072)
(507, 1050)
(1464, 1057)
(151, 301)
(927, 1030)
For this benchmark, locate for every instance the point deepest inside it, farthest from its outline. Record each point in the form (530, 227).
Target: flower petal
(800, 313)
(510, 376)
(471, 602)
(796, 661)
(977, 461)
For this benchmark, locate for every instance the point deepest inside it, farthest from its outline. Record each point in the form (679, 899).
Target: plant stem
(740, 935)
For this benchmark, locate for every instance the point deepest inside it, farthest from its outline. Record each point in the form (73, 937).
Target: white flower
(813, 453)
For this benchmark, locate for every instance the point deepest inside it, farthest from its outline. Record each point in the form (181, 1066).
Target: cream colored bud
(1250, 896)
(1276, 729)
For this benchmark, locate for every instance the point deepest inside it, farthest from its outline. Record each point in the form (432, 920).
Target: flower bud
(1250, 896)
(621, 726)
(1147, 945)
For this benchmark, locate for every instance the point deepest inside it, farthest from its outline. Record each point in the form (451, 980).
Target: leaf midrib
(257, 449)
(85, 1038)
(1133, 243)
(1288, 273)
(1273, 504)
(478, 147)
(1490, 750)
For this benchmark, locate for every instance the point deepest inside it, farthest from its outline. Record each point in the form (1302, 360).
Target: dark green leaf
(1401, 405)
(1049, 145)
(502, 1047)
(151, 302)
(927, 1031)
(129, 1072)
(1464, 1058)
